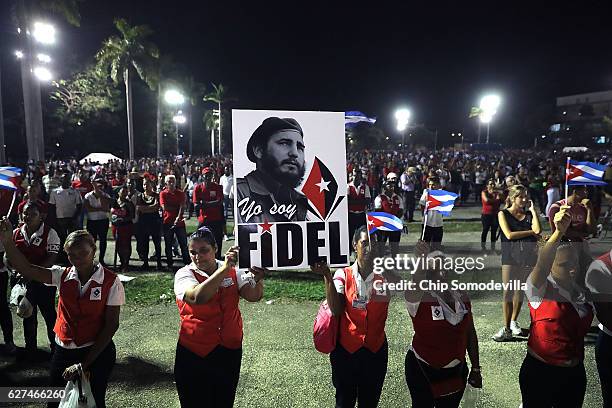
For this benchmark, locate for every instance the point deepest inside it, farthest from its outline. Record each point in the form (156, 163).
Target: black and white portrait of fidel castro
(267, 194)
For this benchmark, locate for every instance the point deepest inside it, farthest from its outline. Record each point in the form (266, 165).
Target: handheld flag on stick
(384, 222)
(9, 180)
(438, 200)
(582, 173)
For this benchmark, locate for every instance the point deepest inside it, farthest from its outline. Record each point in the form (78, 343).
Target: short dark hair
(204, 234)
(358, 232)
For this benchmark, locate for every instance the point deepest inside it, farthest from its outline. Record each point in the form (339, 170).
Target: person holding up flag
(435, 203)
(391, 203)
(553, 373)
(435, 366)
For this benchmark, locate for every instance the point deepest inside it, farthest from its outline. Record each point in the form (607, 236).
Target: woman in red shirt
(209, 349)
(553, 374)
(491, 199)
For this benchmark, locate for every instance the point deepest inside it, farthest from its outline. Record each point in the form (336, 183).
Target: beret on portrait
(267, 128)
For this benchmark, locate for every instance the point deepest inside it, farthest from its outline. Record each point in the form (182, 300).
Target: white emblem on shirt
(227, 282)
(37, 241)
(437, 313)
(95, 294)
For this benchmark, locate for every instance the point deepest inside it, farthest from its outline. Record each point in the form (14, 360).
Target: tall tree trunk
(220, 128)
(190, 116)
(212, 141)
(158, 124)
(130, 118)
(2, 148)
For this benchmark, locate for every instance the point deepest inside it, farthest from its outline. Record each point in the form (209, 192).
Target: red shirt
(213, 192)
(171, 202)
(82, 187)
(578, 226)
(492, 207)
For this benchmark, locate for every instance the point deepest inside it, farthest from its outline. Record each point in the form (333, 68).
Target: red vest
(391, 205)
(36, 250)
(362, 327)
(80, 318)
(357, 193)
(437, 341)
(557, 331)
(212, 193)
(217, 322)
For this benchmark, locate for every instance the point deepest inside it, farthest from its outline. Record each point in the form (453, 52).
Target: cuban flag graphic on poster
(382, 221)
(9, 178)
(321, 189)
(441, 201)
(585, 173)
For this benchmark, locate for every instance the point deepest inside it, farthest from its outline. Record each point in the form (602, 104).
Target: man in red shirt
(208, 201)
(581, 211)
(34, 196)
(172, 202)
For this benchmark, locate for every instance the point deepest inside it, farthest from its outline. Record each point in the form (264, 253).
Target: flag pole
(425, 215)
(368, 229)
(12, 204)
(567, 171)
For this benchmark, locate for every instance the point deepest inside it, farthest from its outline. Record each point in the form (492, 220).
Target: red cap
(206, 170)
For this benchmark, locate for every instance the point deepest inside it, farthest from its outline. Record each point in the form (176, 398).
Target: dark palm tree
(218, 96)
(119, 56)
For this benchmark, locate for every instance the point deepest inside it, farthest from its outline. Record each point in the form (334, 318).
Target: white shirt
(184, 278)
(364, 287)
(95, 202)
(226, 182)
(598, 280)
(434, 218)
(65, 201)
(116, 297)
(53, 241)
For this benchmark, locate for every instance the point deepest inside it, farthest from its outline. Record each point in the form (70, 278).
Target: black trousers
(489, 222)
(358, 377)
(545, 386)
(99, 230)
(6, 317)
(42, 297)
(100, 370)
(356, 220)
(64, 227)
(603, 357)
(409, 204)
(181, 236)
(148, 227)
(209, 381)
(420, 390)
(216, 227)
(433, 236)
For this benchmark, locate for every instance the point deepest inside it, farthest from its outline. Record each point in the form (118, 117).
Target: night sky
(437, 59)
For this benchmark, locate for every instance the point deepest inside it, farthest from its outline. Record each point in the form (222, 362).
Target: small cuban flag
(384, 222)
(352, 118)
(9, 178)
(585, 173)
(441, 201)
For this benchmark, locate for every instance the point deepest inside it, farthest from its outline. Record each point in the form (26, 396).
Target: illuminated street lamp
(402, 117)
(42, 74)
(44, 33)
(178, 119)
(488, 108)
(174, 97)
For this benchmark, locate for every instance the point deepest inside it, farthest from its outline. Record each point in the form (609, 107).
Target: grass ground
(280, 367)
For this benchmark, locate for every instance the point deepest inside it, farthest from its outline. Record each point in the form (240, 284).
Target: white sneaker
(503, 335)
(515, 328)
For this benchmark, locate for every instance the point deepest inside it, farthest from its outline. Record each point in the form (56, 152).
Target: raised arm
(17, 259)
(202, 293)
(254, 293)
(335, 300)
(414, 295)
(535, 219)
(546, 257)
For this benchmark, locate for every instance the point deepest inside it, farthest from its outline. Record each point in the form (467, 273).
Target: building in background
(583, 119)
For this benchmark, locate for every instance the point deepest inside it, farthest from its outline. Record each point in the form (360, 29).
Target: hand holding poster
(290, 212)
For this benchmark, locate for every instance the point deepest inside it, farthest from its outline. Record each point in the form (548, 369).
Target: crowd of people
(150, 198)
